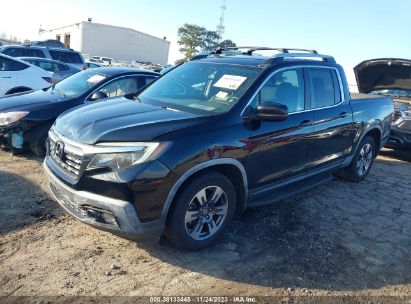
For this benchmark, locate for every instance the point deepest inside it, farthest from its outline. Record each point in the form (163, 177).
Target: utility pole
(220, 26)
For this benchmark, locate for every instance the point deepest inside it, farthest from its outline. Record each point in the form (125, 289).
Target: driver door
(280, 149)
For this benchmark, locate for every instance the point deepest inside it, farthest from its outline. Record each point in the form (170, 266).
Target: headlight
(121, 160)
(7, 118)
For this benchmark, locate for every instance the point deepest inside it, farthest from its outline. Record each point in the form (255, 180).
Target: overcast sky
(350, 30)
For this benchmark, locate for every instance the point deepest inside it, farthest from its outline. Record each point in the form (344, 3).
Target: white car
(18, 76)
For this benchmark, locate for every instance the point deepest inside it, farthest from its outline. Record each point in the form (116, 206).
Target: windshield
(394, 92)
(79, 83)
(200, 88)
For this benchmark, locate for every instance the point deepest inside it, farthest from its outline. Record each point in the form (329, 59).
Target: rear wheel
(201, 212)
(362, 162)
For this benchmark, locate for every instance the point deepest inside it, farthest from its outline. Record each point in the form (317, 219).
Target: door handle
(6, 77)
(306, 123)
(343, 114)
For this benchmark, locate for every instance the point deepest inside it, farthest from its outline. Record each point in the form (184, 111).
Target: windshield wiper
(59, 91)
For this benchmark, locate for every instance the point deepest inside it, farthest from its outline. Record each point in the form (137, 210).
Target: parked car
(59, 69)
(64, 55)
(26, 119)
(390, 77)
(92, 65)
(209, 138)
(17, 76)
(50, 43)
(102, 60)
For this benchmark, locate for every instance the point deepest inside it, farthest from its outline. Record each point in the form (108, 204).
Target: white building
(122, 43)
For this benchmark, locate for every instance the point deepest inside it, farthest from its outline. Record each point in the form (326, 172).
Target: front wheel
(201, 212)
(38, 137)
(362, 162)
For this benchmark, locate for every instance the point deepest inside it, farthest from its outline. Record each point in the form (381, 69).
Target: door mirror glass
(98, 95)
(272, 111)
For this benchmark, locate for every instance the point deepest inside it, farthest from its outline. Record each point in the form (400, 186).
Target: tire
(209, 219)
(362, 162)
(37, 139)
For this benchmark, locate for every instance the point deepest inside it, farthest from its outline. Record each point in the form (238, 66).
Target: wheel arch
(376, 133)
(18, 90)
(230, 167)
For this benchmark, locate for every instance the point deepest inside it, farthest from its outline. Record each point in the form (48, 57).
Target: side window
(33, 53)
(11, 65)
(322, 87)
(67, 57)
(13, 52)
(48, 66)
(285, 87)
(121, 87)
(62, 67)
(144, 80)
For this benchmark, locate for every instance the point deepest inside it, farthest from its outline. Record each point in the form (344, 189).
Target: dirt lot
(338, 239)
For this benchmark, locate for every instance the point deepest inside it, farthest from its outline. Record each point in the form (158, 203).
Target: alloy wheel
(206, 213)
(364, 159)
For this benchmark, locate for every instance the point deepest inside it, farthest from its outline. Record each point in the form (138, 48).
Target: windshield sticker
(231, 82)
(201, 107)
(96, 78)
(221, 94)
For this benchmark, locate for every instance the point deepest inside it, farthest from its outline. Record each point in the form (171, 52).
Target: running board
(275, 195)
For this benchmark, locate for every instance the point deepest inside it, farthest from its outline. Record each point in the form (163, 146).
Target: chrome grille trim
(71, 160)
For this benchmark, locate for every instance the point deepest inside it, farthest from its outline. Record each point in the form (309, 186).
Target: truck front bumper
(113, 215)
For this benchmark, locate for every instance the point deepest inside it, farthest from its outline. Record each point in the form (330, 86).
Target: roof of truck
(249, 57)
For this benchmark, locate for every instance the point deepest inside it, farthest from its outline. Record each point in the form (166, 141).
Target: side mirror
(98, 95)
(272, 111)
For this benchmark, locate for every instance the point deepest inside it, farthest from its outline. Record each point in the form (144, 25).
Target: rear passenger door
(334, 133)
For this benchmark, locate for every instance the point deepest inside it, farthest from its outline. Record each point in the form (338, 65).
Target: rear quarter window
(323, 92)
(67, 57)
(11, 65)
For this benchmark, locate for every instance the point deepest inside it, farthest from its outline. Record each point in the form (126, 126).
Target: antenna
(220, 26)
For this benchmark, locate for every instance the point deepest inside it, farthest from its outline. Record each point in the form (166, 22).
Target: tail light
(84, 67)
(48, 79)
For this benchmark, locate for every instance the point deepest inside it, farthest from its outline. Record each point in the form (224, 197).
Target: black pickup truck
(211, 137)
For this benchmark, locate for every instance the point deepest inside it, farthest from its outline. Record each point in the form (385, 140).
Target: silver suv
(60, 54)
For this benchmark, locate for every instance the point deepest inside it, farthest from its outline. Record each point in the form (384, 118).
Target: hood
(383, 74)
(121, 120)
(28, 101)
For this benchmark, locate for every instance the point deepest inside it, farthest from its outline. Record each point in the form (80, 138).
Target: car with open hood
(390, 77)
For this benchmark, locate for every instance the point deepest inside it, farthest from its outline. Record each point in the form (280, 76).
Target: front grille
(69, 161)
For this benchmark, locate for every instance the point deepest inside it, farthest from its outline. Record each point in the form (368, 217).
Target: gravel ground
(339, 239)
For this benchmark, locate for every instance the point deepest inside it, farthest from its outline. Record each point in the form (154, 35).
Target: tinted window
(11, 65)
(285, 87)
(24, 52)
(14, 52)
(67, 57)
(33, 53)
(322, 88)
(62, 67)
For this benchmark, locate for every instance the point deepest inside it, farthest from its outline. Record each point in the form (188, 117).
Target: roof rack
(283, 53)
